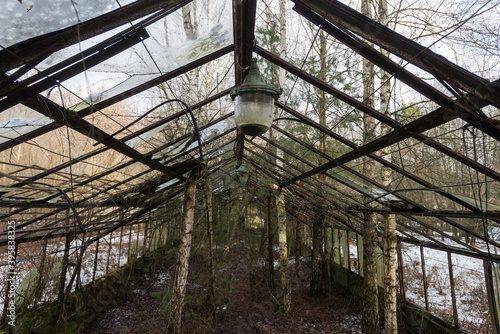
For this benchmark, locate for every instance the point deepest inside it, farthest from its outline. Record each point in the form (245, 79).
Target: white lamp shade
(253, 112)
(242, 174)
(254, 103)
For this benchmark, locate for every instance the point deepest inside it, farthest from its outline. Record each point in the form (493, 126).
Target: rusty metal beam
(123, 140)
(26, 51)
(422, 124)
(410, 216)
(25, 92)
(467, 109)
(119, 167)
(403, 212)
(85, 53)
(445, 116)
(374, 113)
(429, 213)
(244, 36)
(35, 105)
(384, 162)
(10, 87)
(340, 14)
(416, 205)
(63, 117)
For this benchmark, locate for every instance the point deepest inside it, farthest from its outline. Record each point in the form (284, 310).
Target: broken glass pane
(21, 20)
(361, 185)
(15, 123)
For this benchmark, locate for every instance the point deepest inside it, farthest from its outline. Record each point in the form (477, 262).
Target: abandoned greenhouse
(250, 166)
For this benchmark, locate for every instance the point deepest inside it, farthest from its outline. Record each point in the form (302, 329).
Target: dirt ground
(244, 303)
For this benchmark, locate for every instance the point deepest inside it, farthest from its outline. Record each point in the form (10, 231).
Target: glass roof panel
(206, 134)
(480, 205)
(361, 185)
(169, 46)
(21, 20)
(16, 122)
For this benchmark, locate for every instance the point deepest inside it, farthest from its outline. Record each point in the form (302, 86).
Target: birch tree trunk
(298, 238)
(181, 268)
(210, 235)
(270, 251)
(390, 286)
(286, 294)
(317, 279)
(390, 237)
(283, 44)
(191, 29)
(370, 313)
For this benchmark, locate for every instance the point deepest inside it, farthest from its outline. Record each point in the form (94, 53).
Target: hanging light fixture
(241, 174)
(254, 103)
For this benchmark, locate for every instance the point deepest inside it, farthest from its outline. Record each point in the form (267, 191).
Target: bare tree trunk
(76, 273)
(322, 121)
(319, 273)
(64, 268)
(283, 43)
(270, 257)
(328, 260)
(370, 287)
(286, 294)
(390, 237)
(210, 234)
(317, 279)
(181, 268)
(298, 238)
(370, 283)
(239, 221)
(390, 285)
(191, 29)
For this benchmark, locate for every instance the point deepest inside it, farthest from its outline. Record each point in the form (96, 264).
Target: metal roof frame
(340, 21)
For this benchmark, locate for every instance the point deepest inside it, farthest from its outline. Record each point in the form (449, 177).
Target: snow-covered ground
(470, 285)
(30, 255)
